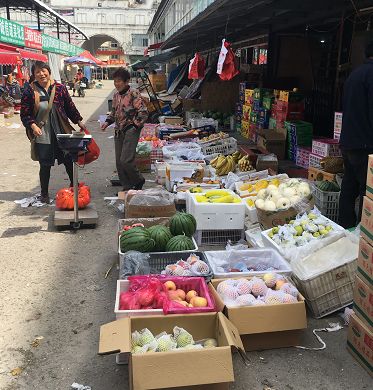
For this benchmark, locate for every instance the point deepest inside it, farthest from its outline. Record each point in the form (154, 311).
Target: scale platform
(86, 217)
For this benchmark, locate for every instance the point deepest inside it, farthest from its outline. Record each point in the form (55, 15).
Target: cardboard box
(273, 141)
(192, 104)
(171, 120)
(270, 219)
(160, 368)
(365, 262)
(143, 211)
(366, 226)
(257, 326)
(246, 111)
(143, 163)
(360, 343)
(369, 192)
(158, 81)
(363, 302)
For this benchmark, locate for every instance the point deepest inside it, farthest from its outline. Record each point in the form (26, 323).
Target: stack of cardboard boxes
(360, 332)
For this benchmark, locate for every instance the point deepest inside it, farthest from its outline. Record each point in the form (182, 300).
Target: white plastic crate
(224, 146)
(315, 161)
(123, 286)
(326, 147)
(199, 122)
(218, 237)
(217, 216)
(327, 202)
(251, 257)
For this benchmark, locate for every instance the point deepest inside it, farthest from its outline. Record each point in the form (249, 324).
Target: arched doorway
(108, 49)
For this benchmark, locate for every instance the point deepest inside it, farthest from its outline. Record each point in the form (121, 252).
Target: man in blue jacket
(356, 138)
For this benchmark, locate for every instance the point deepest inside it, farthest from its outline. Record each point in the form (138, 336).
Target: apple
(170, 285)
(181, 294)
(191, 294)
(174, 296)
(199, 302)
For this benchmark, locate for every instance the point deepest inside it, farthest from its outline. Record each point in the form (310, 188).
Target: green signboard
(11, 32)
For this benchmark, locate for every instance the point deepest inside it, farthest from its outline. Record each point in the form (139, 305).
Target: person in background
(356, 139)
(77, 79)
(129, 114)
(34, 104)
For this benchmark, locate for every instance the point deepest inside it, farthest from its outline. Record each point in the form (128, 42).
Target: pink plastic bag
(149, 292)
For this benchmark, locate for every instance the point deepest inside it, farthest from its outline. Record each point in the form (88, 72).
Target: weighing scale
(73, 144)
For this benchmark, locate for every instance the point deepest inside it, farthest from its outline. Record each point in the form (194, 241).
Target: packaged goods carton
(360, 343)
(367, 220)
(160, 368)
(365, 262)
(370, 177)
(257, 326)
(273, 141)
(363, 302)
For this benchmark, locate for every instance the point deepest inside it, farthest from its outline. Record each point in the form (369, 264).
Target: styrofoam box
(123, 286)
(251, 211)
(217, 216)
(121, 254)
(160, 172)
(268, 242)
(243, 194)
(267, 256)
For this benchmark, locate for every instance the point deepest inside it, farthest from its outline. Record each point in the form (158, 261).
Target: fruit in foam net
(289, 289)
(244, 287)
(289, 298)
(230, 293)
(137, 349)
(269, 205)
(279, 284)
(145, 337)
(289, 192)
(183, 338)
(170, 285)
(260, 204)
(200, 267)
(210, 343)
(274, 297)
(270, 279)
(191, 294)
(245, 300)
(258, 287)
(165, 343)
(198, 302)
(283, 203)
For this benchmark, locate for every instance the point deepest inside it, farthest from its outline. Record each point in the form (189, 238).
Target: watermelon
(179, 243)
(136, 239)
(161, 235)
(183, 223)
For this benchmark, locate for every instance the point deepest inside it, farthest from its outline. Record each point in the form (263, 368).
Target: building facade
(117, 29)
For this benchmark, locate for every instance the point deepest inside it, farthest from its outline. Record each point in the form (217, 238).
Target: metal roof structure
(242, 19)
(45, 15)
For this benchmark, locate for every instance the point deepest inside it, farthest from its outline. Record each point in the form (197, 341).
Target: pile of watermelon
(160, 238)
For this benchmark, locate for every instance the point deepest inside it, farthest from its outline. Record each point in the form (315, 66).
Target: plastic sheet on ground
(77, 386)
(31, 201)
(134, 263)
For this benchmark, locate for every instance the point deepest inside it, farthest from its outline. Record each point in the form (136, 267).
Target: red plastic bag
(197, 67)
(91, 154)
(227, 66)
(65, 197)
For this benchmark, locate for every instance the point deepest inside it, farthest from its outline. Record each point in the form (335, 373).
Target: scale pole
(76, 193)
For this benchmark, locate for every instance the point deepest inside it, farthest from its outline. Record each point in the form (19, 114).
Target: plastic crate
(218, 237)
(225, 146)
(330, 291)
(159, 261)
(327, 202)
(268, 257)
(315, 160)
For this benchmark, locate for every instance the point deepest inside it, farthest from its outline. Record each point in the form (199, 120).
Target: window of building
(140, 19)
(114, 44)
(81, 18)
(101, 18)
(140, 40)
(119, 19)
(114, 57)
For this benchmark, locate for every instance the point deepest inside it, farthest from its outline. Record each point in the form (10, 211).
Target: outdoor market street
(54, 295)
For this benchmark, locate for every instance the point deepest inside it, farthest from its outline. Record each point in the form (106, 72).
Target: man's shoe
(44, 199)
(139, 185)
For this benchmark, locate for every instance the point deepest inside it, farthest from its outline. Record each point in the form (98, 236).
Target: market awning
(88, 55)
(10, 58)
(31, 55)
(79, 60)
(239, 20)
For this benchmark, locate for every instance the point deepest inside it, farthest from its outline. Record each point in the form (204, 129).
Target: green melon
(183, 223)
(161, 235)
(179, 243)
(136, 239)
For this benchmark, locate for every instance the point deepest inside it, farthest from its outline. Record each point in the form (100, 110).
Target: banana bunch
(237, 156)
(217, 196)
(244, 164)
(223, 165)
